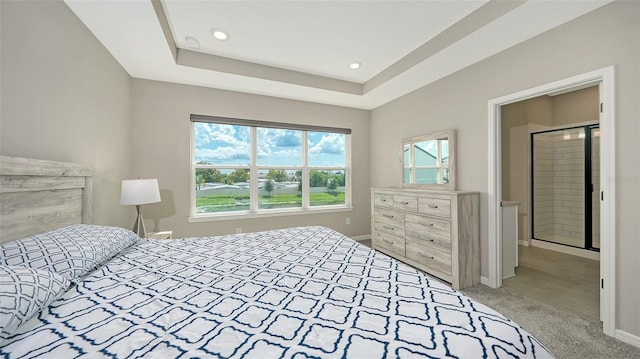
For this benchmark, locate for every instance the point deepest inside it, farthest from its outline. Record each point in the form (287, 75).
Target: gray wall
(161, 149)
(608, 36)
(65, 98)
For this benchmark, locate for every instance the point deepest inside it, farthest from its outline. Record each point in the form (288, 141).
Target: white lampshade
(139, 191)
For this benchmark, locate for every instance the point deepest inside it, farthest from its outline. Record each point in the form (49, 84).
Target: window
(426, 162)
(242, 166)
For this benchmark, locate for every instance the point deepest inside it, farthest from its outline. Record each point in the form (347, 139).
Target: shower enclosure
(565, 191)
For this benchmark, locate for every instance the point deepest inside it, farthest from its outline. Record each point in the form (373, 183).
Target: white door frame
(605, 79)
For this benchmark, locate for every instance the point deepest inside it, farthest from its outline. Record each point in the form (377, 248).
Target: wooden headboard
(39, 195)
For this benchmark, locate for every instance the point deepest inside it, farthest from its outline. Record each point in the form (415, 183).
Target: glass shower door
(558, 190)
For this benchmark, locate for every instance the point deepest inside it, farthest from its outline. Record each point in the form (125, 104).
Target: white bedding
(306, 292)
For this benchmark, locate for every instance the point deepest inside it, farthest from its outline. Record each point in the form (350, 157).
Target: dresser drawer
(389, 217)
(430, 257)
(396, 229)
(389, 242)
(435, 206)
(425, 225)
(383, 200)
(429, 240)
(405, 203)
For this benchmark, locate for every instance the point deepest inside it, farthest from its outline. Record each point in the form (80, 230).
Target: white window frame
(254, 168)
(413, 167)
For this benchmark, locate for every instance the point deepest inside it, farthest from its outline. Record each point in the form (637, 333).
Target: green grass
(219, 200)
(324, 199)
(281, 198)
(316, 199)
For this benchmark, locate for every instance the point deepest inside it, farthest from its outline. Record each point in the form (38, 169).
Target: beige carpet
(565, 335)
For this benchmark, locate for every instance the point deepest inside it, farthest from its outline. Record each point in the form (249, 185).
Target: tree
(277, 175)
(199, 182)
(317, 178)
(217, 175)
(209, 175)
(239, 175)
(332, 185)
(268, 186)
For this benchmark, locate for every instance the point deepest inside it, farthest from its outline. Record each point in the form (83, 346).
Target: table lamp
(138, 192)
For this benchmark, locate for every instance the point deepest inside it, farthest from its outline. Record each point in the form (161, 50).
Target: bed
(302, 292)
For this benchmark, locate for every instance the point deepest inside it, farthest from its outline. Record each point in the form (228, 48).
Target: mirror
(428, 161)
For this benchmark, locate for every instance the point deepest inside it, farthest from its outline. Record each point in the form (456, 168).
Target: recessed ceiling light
(219, 34)
(192, 42)
(354, 65)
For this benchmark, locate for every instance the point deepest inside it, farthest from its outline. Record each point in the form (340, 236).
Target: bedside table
(160, 235)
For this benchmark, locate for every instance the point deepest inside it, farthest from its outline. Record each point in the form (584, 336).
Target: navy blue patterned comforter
(306, 292)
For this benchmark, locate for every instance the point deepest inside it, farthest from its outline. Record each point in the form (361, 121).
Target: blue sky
(230, 145)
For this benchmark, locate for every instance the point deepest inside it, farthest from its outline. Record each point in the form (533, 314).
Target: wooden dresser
(435, 231)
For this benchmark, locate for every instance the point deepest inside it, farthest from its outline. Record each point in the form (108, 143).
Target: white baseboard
(523, 242)
(485, 281)
(627, 338)
(363, 237)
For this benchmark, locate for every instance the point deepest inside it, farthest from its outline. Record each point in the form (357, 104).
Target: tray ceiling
(302, 49)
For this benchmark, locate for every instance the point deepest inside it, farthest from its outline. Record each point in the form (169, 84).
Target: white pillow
(24, 292)
(71, 251)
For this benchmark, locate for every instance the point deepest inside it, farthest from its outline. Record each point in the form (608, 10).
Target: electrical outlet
(238, 230)
(348, 220)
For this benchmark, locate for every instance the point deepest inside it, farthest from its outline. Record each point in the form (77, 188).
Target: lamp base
(138, 227)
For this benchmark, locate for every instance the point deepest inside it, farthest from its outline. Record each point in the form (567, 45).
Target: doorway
(604, 78)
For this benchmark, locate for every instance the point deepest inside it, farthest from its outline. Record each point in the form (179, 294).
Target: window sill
(266, 213)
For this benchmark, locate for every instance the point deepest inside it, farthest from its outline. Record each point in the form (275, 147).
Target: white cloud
(221, 143)
(278, 144)
(206, 133)
(224, 154)
(332, 143)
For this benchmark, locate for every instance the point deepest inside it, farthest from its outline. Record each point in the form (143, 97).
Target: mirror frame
(450, 135)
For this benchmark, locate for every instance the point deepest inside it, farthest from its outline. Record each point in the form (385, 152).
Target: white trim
(627, 338)
(485, 281)
(608, 206)
(224, 216)
(579, 252)
(192, 175)
(305, 171)
(253, 170)
(348, 197)
(495, 184)
(605, 78)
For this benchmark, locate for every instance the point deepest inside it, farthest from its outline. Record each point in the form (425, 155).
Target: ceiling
(302, 49)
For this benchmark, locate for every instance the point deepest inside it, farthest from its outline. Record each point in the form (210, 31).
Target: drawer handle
(405, 203)
(426, 256)
(389, 228)
(387, 241)
(383, 200)
(388, 215)
(426, 224)
(433, 206)
(428, 239)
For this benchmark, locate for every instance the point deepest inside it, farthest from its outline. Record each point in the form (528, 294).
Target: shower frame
(588, 185)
